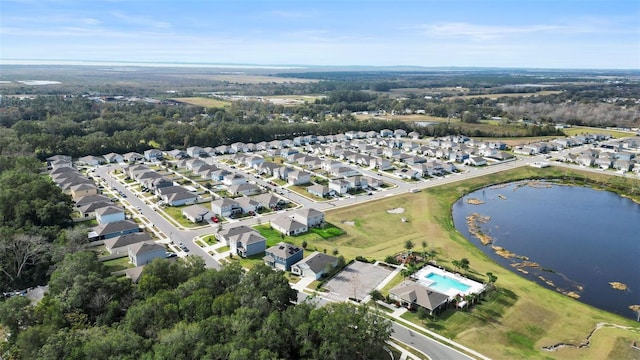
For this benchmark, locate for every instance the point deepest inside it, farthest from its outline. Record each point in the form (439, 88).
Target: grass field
(175, 212)
(204, 102)
(118, 264)
(580, 130)
(517, 320)
(409, 118)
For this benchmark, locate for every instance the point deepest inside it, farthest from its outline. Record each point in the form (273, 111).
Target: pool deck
(474, 286)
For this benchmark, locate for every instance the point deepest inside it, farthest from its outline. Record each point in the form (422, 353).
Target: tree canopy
(197, 313)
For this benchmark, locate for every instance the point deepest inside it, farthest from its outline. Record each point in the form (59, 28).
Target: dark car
(171, 254)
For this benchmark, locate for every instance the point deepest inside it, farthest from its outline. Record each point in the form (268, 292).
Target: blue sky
(498, 33)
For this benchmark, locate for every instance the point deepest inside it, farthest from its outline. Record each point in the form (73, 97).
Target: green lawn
(581, 130)
(274, 237)
(175, 212)
(118, 264)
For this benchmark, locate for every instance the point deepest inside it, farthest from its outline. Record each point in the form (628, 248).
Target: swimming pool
(444, 284)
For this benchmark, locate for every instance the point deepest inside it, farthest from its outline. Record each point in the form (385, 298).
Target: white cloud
(140, 20)
(487, 32)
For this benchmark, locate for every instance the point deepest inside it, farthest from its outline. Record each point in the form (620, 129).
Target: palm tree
(408, 245)
(469, 298)
(456, 264)
(424, 249)
(491, 279)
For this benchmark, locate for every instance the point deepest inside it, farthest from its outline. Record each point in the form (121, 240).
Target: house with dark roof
(144, 252)
(90, 209)
(283, 256)
(132, 157)
(412, 294)
(120, 244)
(314, 265)
(91, 199)
(153, 155)
(111, 230)
(114, 158)
(268, 200)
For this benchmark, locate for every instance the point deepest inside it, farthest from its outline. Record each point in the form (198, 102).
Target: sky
(593, 34)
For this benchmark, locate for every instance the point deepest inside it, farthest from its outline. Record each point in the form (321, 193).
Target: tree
(21, 252)
(491, 279)
(304, 244)
(424, 249)
(456, 264)
(16, 314)
(464, 264)
(376, 295)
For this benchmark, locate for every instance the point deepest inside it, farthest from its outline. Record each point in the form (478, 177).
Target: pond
(578, 241)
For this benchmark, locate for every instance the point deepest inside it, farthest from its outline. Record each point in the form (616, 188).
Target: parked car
(171, 254)
(215, 219)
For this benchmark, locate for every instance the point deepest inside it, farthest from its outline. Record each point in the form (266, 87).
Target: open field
(243, 78)
(520, 318)
(579, 130)
(204, 102)
(497, 96)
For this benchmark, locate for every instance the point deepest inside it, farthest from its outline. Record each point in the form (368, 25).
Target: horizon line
(14, 61)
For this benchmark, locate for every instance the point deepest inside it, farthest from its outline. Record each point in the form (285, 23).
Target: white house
(314, 265)
(109, 214)
(144, 252)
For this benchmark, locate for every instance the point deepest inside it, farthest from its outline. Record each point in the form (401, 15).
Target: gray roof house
(314, 265)
(195, 213)
(225, 207)
(120, 244)
(111, 230)
(412, 294)
(308, 216)
(248, 243)
(288, 226)
(109, 214)
(144, 252)
(244, 189)
(283, 256)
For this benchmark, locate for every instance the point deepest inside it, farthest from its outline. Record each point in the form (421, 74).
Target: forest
(180, 310)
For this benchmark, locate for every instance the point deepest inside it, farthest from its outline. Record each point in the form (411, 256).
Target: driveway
(356, 281)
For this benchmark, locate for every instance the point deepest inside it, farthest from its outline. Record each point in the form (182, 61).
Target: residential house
(315, 265)
(91, 199)
(381, 164)
(340, 186)
(109, 214)
(309, 216)
(168, 190)
(144, 252)
(248, 243)
(344, 171)
(89, 210)
(268, 200)
(234, 179)
(299, 178)
(177, 154)
(357, 182)
(195, 213)
(227, 235)
(225, 207)
(267, 168)
(247, 204)
(60, 164)
(120, 244)
(386, 133)
(111, 230)
(195, 151)
(153, 155)
(84, 189)
(283, 256)
(476, 161)
(91, 160)
(179, 199)
(320, 190)
(244, 189)
(407, 174)
(412, 294)
(288, 226)
(114, 158)
(132, 157)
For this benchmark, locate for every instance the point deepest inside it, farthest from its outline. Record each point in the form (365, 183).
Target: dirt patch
(618, 286)
(395, 211)
(349, 223)
(474, 201)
